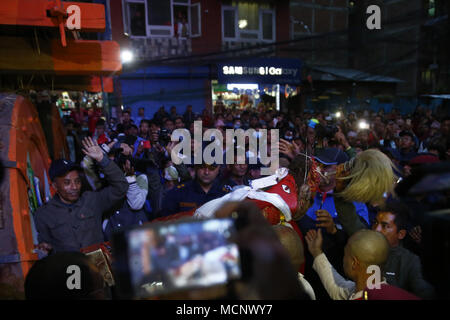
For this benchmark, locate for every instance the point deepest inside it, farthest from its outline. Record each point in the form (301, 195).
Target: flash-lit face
(68, 187)
(385, 224)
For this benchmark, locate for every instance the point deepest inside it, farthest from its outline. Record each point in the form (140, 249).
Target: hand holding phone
(161, 258)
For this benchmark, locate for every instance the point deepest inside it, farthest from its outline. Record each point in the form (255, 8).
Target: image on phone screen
(169, 257)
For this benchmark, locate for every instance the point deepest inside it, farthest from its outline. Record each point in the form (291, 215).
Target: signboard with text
(269, 70)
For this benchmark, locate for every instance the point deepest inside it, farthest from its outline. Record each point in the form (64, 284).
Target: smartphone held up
(162, 258)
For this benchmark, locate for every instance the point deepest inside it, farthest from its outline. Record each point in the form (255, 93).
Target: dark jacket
(72, 227)
(333, 246)
(190, 195)
(123, 217)
(403, 269)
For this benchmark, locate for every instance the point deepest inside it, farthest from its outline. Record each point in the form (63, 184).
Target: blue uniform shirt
(190, 195)
(361, 208)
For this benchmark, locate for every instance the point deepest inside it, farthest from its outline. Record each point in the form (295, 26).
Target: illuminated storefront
(246, 83)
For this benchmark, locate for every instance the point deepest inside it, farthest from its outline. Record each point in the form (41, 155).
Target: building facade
(183, 41)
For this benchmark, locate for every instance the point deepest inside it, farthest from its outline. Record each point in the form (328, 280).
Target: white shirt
(337, 286)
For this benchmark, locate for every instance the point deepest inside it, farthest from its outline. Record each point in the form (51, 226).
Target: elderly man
(71, 220)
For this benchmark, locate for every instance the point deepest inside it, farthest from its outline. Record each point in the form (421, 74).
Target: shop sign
(261, 71)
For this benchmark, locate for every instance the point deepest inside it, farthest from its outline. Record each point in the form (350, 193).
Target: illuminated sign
(262, 71)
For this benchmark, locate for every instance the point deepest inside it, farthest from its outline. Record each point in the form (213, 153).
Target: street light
(126, 56)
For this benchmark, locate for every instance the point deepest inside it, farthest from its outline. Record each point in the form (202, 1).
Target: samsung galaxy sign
(261, 71)
(240, 70)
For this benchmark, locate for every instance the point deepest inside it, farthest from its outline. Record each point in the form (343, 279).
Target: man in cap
(323, 204)
(71, 220)
(328, 211)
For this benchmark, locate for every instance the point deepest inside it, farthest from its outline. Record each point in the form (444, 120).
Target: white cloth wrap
(270, 180)
(208, 209)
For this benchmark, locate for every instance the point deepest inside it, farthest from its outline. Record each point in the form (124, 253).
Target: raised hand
(92, 149)
(287, 148)
(314, 240)
(170, 147)
(127, 151)
(340, 137)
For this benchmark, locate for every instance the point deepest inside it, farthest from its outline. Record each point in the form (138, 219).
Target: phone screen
(163, 258)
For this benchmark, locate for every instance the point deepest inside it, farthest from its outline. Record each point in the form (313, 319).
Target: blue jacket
(361, 208)
(122, 217)
(190, 195)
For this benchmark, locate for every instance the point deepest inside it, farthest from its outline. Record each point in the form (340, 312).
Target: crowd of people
(120, 173)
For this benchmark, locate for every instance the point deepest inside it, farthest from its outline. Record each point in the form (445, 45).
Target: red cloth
(388, 292)
(175, 216)
(422, 159)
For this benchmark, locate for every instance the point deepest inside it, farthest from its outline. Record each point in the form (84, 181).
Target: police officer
(205, 187)
(238, 176)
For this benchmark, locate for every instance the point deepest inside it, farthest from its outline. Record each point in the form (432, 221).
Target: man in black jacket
(71, 220)
(402, 268)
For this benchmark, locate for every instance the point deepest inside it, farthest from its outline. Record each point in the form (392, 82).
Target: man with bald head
(364, 255)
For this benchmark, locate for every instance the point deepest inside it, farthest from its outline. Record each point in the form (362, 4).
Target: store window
(268, 25)
(248, 21)
(229, 19)
(162, 18)
(136, 12)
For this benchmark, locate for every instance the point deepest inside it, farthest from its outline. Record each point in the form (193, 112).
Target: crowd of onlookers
(141, 146)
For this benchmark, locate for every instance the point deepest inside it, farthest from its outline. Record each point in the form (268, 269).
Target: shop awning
(340, 74)
(437, 96)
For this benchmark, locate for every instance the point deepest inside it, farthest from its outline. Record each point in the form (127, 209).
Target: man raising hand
(71, 220)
